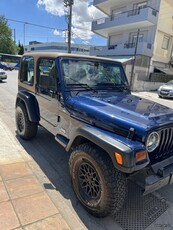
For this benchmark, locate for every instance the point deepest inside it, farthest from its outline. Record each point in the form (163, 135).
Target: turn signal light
(140, 156)
(119, 158)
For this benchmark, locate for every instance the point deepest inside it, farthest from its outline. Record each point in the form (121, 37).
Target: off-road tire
(25, 128)
(98, 185)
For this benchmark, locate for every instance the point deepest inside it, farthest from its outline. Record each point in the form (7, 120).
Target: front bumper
(163, 93)
(155, 177)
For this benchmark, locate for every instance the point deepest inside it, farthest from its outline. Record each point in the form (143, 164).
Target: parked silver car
(3, 74)
(166, 90)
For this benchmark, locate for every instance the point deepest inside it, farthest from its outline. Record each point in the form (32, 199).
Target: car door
(46, 93)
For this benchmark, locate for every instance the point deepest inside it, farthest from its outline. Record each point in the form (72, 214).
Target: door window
(47, 77)
(27, 70)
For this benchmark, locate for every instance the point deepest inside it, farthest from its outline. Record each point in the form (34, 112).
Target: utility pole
(69, 3)
(15, 41)
(133, 64)
(24, 33)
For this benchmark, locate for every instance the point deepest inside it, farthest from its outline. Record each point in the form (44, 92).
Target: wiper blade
(83, 85)
(111, 86)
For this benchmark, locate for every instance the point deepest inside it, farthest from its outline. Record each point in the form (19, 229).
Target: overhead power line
(33, 24)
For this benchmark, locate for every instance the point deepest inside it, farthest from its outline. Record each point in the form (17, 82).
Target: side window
(165, 43)
(27, 70)
(47, 78)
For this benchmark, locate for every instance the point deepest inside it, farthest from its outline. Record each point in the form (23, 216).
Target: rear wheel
(99, 187)
(25, 128)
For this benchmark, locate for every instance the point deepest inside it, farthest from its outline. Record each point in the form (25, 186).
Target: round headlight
(152, 141)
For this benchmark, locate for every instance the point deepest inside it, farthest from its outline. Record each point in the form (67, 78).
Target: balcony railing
(125, 14)
(143, 48)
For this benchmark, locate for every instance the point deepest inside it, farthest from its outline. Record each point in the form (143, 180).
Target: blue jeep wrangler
(111, 135)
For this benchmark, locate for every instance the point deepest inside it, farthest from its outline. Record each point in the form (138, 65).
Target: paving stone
(12, 171)
(33, 208)
(23, 186)
(52, 223)
(3, 193)
(8, 218)
(9, 150)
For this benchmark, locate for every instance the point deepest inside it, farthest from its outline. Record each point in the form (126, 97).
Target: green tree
(20, 49)
(6, 42)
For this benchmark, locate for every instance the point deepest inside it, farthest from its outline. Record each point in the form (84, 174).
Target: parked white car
(166, 90)
(3, 74)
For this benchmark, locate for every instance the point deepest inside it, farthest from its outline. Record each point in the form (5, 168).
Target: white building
(150, 22)
(56, 47)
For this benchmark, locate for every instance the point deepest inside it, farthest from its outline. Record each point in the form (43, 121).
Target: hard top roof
(56, 54)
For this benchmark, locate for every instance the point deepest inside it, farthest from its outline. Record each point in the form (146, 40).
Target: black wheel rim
(89, 182)
(20, 122)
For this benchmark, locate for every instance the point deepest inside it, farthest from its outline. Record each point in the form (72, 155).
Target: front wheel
(98, 185)
(25, 128)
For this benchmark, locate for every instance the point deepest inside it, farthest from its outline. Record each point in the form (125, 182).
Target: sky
(22, 14)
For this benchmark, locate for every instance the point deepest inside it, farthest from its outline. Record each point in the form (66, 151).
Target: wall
(162, 55)
(145, 85)
(165, 27)
(159, 77)
(165, 21)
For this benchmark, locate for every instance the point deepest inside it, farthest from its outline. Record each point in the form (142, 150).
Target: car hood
(166, 87)
(120, 112)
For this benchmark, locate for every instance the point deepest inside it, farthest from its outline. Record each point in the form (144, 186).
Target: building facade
(56, 47)
(136, 29)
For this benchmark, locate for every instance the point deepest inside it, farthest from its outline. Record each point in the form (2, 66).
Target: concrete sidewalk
(24, 203)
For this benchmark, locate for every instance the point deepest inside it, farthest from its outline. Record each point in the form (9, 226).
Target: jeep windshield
(93, 74)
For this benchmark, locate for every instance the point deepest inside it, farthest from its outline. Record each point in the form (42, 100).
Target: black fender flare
(31, 105)
(111, 145)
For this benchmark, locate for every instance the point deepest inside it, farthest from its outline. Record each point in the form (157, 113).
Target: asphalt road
(51, 166)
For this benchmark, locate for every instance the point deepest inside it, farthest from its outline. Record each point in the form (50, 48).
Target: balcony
(126, 49)
(124, 21)
(106, 5)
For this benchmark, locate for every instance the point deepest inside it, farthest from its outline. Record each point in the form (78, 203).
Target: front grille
(165, 90)
(165, 148)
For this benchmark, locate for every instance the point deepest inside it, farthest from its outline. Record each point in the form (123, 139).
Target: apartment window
(114, 40)
(116, 13)
(165, 43)
(140, 38)
(139, 6)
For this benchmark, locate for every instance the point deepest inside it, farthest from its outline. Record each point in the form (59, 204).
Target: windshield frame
(79, 87)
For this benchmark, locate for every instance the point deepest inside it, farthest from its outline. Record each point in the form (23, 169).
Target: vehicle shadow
(52, 159)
